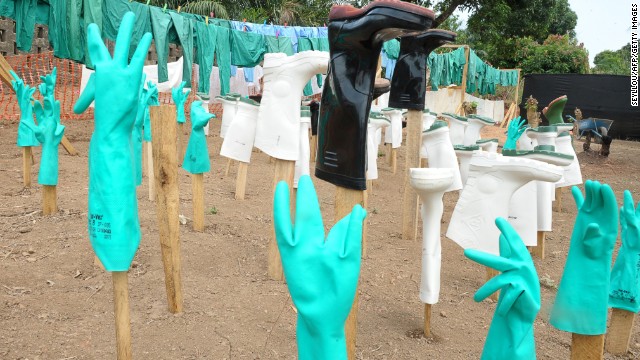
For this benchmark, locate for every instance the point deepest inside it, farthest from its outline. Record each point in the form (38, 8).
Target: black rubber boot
(355, 41)
(381, 86)
(315, 113)
(409, 83)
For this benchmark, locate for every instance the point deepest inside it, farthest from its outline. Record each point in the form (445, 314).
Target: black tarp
(597, 96)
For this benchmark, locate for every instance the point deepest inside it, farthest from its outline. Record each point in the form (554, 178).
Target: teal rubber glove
(180, 97)
(511, 332)
(322, 274)
(24, 94)
(516, 128)
(153, 100)
(49, 132)
(48, 85)
(625, 276)
(114, 228)
(583, 293)
(136, 136)
(196, 157)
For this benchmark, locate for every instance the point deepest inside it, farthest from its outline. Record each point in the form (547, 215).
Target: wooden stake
(226, 171)
(121, 310)
(49, 200)
(241, 180)
(181, 145)
(388, 152)
(464, 74)
(198, 201)
(163, 128)
(394, 161)
(427, 320)
(538, 251)
(150, 173)
(587, 347)
(491, 273)
(26, 166)
(559, 199)
(67, 146)
(620, 329)
(313, 145)
(284, 171)
(97, 263)
(346, 199)
(410, 197)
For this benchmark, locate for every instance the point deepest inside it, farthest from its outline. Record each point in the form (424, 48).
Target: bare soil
(55, 304)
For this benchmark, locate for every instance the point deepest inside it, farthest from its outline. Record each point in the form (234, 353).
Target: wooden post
(49, 200)
(313, 144)
(150, 173)
(226, 171)
(163, 128)
(410, 197)
(427, 320)
(464, 74)
(587, 347)
(538, 251)
(491, 273)
(388, 152)
(198, 201)
(345, 200)
(121, 310)
(241, 180)
(181, 145)
(620, 329)
(66, 144)
(284, 171)
(394, 160)
(26, 166)
(559, 199)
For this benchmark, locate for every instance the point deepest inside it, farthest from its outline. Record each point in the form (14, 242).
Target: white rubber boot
(464, 153)
(493, 179)
(302, 164)
(441, 153)
(527, 203)
(488, 145)
(572, 172)
(393, 134)
(428, 118)
(525, 143)
(476, 123)
(457, 127)
(285, 76)
(544, 135)
(431, 184)
(229, 110)
(377, 121)
(238, 142)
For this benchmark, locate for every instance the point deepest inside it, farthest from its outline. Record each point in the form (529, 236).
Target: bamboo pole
(163, 127)
(587, 347)
(620, 330)
(241, 180)
(121, 312)
(197, 183)
(410, 197)
(345, 200)
(284, 171)
(26, 166)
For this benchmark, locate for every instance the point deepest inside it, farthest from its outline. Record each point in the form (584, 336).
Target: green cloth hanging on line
(280, 44)
(206, 43)
(247, 49)
(223, 58)
(306, 44)
(392, 48)
(184, 29)
(160, 25)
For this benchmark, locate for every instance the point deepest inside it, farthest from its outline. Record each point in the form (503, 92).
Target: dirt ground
(55, 304)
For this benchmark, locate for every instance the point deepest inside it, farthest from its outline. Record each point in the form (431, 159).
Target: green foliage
(559, 54)
(206, 8)
(213, 210)
(613, 62)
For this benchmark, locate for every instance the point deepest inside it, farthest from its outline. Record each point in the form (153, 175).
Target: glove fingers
(491, 286)
(352, 242)
(509, 295)
(511, 238)
(123, 40)
(609, 202)
(137, 61)
(308, 216)
(577, 196)
(86, 98)
(97, 50)
(490, 260)
(282, 216)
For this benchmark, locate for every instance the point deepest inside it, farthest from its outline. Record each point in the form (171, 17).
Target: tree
(558, 54)
(613, 62)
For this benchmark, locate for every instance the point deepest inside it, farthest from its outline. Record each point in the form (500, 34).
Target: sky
(602, 25)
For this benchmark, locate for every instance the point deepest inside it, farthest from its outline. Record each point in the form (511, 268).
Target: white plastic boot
(238, 142)
(528, 206)
(431, 184)
(428, 118)
(488, 145)
(377, 121)
(525, 143)
(229, 109)
(302, 164)
(464, 153)
(572, 172)
(393, 134)
(279, 116)
(544, 135)
(441, 153)
(476, 123)
(457, 127)
(492, 180)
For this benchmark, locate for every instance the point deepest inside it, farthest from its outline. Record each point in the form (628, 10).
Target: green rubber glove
(136, 136)
(48, 85)
(152, 93)
(180, 97)
(322, 274)
(581, 302)
(516, 128)
(511, 332)
(24, 94)
(114, 228)
(49, 132)
(625, 277)
(196, 157)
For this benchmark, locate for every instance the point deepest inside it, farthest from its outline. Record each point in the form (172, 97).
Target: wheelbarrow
(598, 130)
